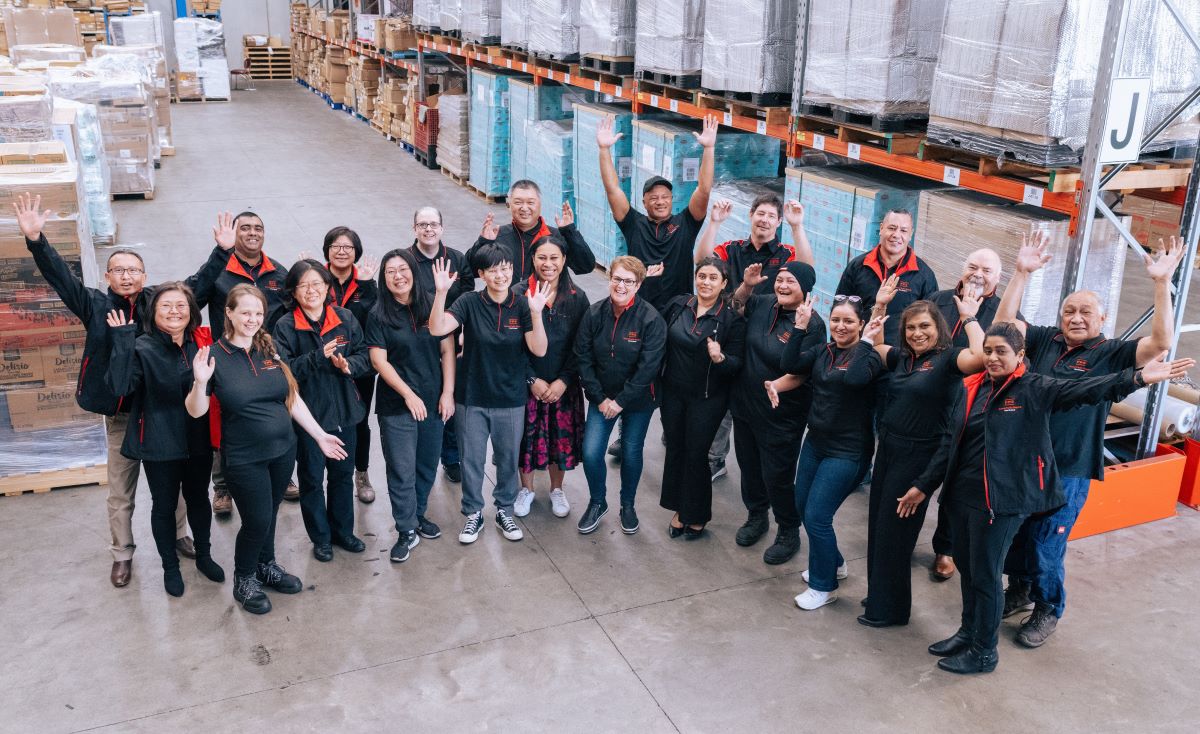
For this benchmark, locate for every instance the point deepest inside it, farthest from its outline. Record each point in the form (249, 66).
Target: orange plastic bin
(1133, 493)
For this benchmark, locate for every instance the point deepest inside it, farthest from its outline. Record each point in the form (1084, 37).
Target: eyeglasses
(845, 299)
(169, 307)
(311, 286)
(341, 248)
(125, 271)
(427, 225)
(627, 282)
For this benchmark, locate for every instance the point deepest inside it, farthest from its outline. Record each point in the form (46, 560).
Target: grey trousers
(505, 427)
(410, 451)
(122, 488)
(720, 445)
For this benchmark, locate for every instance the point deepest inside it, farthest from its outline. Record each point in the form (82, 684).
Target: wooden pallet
(147, 195)
(770, 115)
(201, 99)
(489, 198)
(41, 482)
(489, 46)
(891, 142)
(679, 81)
(551, 64)
(755, 99)
(667, 91)
(168, 150)
(876, 122)
(515, 54)
(460, 180)
(601, 64)
(625, 82)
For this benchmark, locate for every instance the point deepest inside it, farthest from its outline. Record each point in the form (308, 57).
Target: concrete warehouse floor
(559, 632)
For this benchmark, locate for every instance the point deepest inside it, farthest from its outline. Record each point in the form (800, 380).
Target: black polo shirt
(414, 353)
(841, 420)
(561, 320)
(741, 254)
(920, 393)
(865, 273)
(458, 266)
(494, 369)
(269, 276)
(253, 391)
(944, 300)
(1078, 434)
(671, 243)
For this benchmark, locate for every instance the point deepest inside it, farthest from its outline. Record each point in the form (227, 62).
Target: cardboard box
(56, 183)
(39, 25)
(61, 363)
(53, 406)
(21, 365)
(63, 235)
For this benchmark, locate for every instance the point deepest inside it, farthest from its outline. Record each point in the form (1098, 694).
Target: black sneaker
(272, 576)
(508, 526)
(1016, 598)
(753, 529)
(786, 545)
(591, 516)
(323, 552)
(350, 543)
(427, 529)
(248, 592)
(629, 520)
(1038, 627)
(453, 473)
(471, 529)
(406, 542)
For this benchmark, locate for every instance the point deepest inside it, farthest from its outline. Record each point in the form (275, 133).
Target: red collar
(329, 324)
(235, 266)
(617, 314)
(973, 382)
(350, 287)
(875, 263)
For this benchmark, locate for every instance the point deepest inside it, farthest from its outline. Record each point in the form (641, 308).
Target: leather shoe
(866, 621)
(292, 493)
(951, 645)
(323, 552)
(942, 569)
(969, 661)
(350, 543)
(185, 547)
(121, 571)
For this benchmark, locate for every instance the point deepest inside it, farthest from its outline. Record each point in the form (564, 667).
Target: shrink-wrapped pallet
(450, 15)
(757, 53)
(140, 29)
(529, 102)
(453, 141)
(26, 118)
(481, 21)
(200, 51)
(607, 27)
(554, 28)
(490, 149)
(592, 214)
(670, 36)
(514, 23)
(954, 223)
(550, 163)
(154, 60)
(59, 52)
(1015, 78)
(872, 57)
(77, 125)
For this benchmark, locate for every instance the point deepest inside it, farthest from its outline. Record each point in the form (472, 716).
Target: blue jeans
(597, 429)
(1046, 546)
(823, 482)
(410, 451)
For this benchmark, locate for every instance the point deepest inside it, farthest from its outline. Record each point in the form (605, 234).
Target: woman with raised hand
(500, 330)
(840, 428)
(926, 373)
(155, 369)
(554, 417)
(323, 346)
(259, 401)
(996, 467)
(706, 339)
(416, 395)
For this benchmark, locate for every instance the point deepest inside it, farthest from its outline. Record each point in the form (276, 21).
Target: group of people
(914, 387)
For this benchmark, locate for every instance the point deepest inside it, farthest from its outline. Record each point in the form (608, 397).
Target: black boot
(972, 660)
(786, 545)
(248, 592)
(173, 581)
(205, 563)
(753, 529)
(1016, 597)
(951, 645)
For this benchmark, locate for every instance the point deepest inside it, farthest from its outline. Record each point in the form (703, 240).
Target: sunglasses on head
(845, 299)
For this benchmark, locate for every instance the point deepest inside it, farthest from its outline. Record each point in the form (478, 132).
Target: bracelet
(1138, 379)
(969, 320)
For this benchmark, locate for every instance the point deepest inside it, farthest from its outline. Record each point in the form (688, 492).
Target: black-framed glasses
(846, 299)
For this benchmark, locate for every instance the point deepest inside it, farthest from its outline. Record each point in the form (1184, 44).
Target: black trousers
(980, 544)
(689, 424)
(257, 489)
(326, 487)
(943, 544)
(167, 479)
(362, 446)
(767, 459)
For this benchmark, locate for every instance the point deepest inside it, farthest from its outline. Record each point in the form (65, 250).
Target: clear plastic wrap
(481, 21)
(514, 23)
(550, 163)
(607, 27)
(757, 54)
(47, 52)
(873, 57)
(26, 118)
(450, 15)
(80, 124)
(592, 215)
(670, 36)
(200, 52)
(554, 28)
(152, 57)
(529, 102)
(453, 142)
(122, 65)
(427, 14)
(742, 194)
(1016, 78)
(489, 120)
(132, 30)
(954, 223)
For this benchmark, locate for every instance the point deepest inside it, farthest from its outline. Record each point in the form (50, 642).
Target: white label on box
(647, 156)
(1033, 195)
(654, 100)
(854, 150)
(950, 175)
(819, 142)
(858, 233)
(568, 104)
(691, 169)
(761, 127)
(125, 153)
(624, 167)
(130, 169)
(674, 105)
(504, 100)
(727, 119)
(596, 86)
(480, 93)
(666, 168)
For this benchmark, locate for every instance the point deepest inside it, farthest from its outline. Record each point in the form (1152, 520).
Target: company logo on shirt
(513, 323)
(1079, 365)
(270, 364)
(273, 285)
(633, 337)
(1009, 405)
(785, 336)
(341, 340)
(903, 287)
(925, 366)
(671, 229)
(773, 262)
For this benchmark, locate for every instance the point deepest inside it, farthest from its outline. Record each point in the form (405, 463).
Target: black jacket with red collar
(620, 357)
(269, 276)
(356, 295)
(1020, 476)
(864, 274)
(741, 254)
(579, 256)
(330, 394)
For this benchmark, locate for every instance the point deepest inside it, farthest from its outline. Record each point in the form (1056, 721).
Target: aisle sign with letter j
(1125, 125)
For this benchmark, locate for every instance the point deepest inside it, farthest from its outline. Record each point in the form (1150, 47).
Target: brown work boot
(942, 568)
(362, 486)
(121, 571)
(222, 503)
(292, 493)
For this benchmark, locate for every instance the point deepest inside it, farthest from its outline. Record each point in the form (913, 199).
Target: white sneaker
(471, 529)
(842, 573)
(813, 599)
(558, 503)
(523, 502)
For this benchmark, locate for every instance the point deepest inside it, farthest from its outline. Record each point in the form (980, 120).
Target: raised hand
(332, 447)
(887, 290)
(804, 312)
(708, 138)
(874, 329)
(538, 295)
(442, 277)
(714, 351)
(490, 230)
(655, 270)
(720, 211)
(605, 137)
(340, 362)
(567, 218)
(223, 233)
(752, 276)
(304, 255)
(203, 366)
(1160, 370)
(116, 319)
(29, 217)
(793, 213)
(1033, 256)
(1170, 253)
(968, 305)
(908, 504)
(368, 266)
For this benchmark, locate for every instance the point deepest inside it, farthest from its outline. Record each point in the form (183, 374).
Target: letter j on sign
(1126, 123)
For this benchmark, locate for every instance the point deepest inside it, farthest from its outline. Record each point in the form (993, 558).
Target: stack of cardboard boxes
(206, 7)
(337, 26)
(392, 107)
(362, 84)
(334, 73)
(395, 34)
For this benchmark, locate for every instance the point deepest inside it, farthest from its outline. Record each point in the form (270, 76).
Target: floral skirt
(553, 432)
